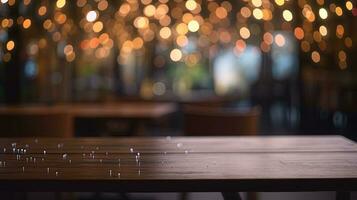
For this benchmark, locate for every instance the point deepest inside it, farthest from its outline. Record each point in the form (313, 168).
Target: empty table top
(124, 110)
(269, 163)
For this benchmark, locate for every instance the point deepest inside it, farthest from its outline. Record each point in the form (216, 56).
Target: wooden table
(67, 113)
(182, 164)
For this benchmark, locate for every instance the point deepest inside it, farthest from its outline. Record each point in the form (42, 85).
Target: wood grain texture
(272, 163)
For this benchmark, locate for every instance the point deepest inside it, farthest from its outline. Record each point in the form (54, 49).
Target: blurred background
(180, 67)
(295, 59)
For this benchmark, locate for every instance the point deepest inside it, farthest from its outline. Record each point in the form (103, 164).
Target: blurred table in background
(59, 120)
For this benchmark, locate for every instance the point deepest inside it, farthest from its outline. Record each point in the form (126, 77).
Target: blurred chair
(215, 121)
(212, 120)
(28, 125)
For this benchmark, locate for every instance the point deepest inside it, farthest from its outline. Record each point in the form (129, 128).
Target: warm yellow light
(149, 10)
(245, 12)
(10, 45)
(141, 22)
(165, 32)
(309, 14)
(257, 13)
(323, 13)
(60, 17)
(124, 9)
(181, 40)
(323, 30)
(42, 10)
(161, 11)
(339, 11)
(191, 5)
(60, 3)
(145, 2)
(68, 49)
(26, 24)
(103, 5)
(279, 2)
(279, 40)
(187, 17)
(257, 3)
(349, 5)
(181, 29)
(267, 14)
(176, 55)
(315, 56)
(193, 26)
(244, 32)
(288, 16)
(91, 16)
(97, 26)
(165, 20)
(221, 12)
(127, 47)
(138, 43)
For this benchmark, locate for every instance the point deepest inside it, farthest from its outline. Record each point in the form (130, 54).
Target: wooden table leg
(231, 196)
(343, 195)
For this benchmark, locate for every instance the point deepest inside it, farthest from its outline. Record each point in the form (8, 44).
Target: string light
(288, 16)
(315, 56)
(10, 45)
(191, 5)
(135, 23)
(91, 16)
(323, 13)
(349, 5)
(193, 26)
(244, 33)
(60, 3)
(176, 55)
